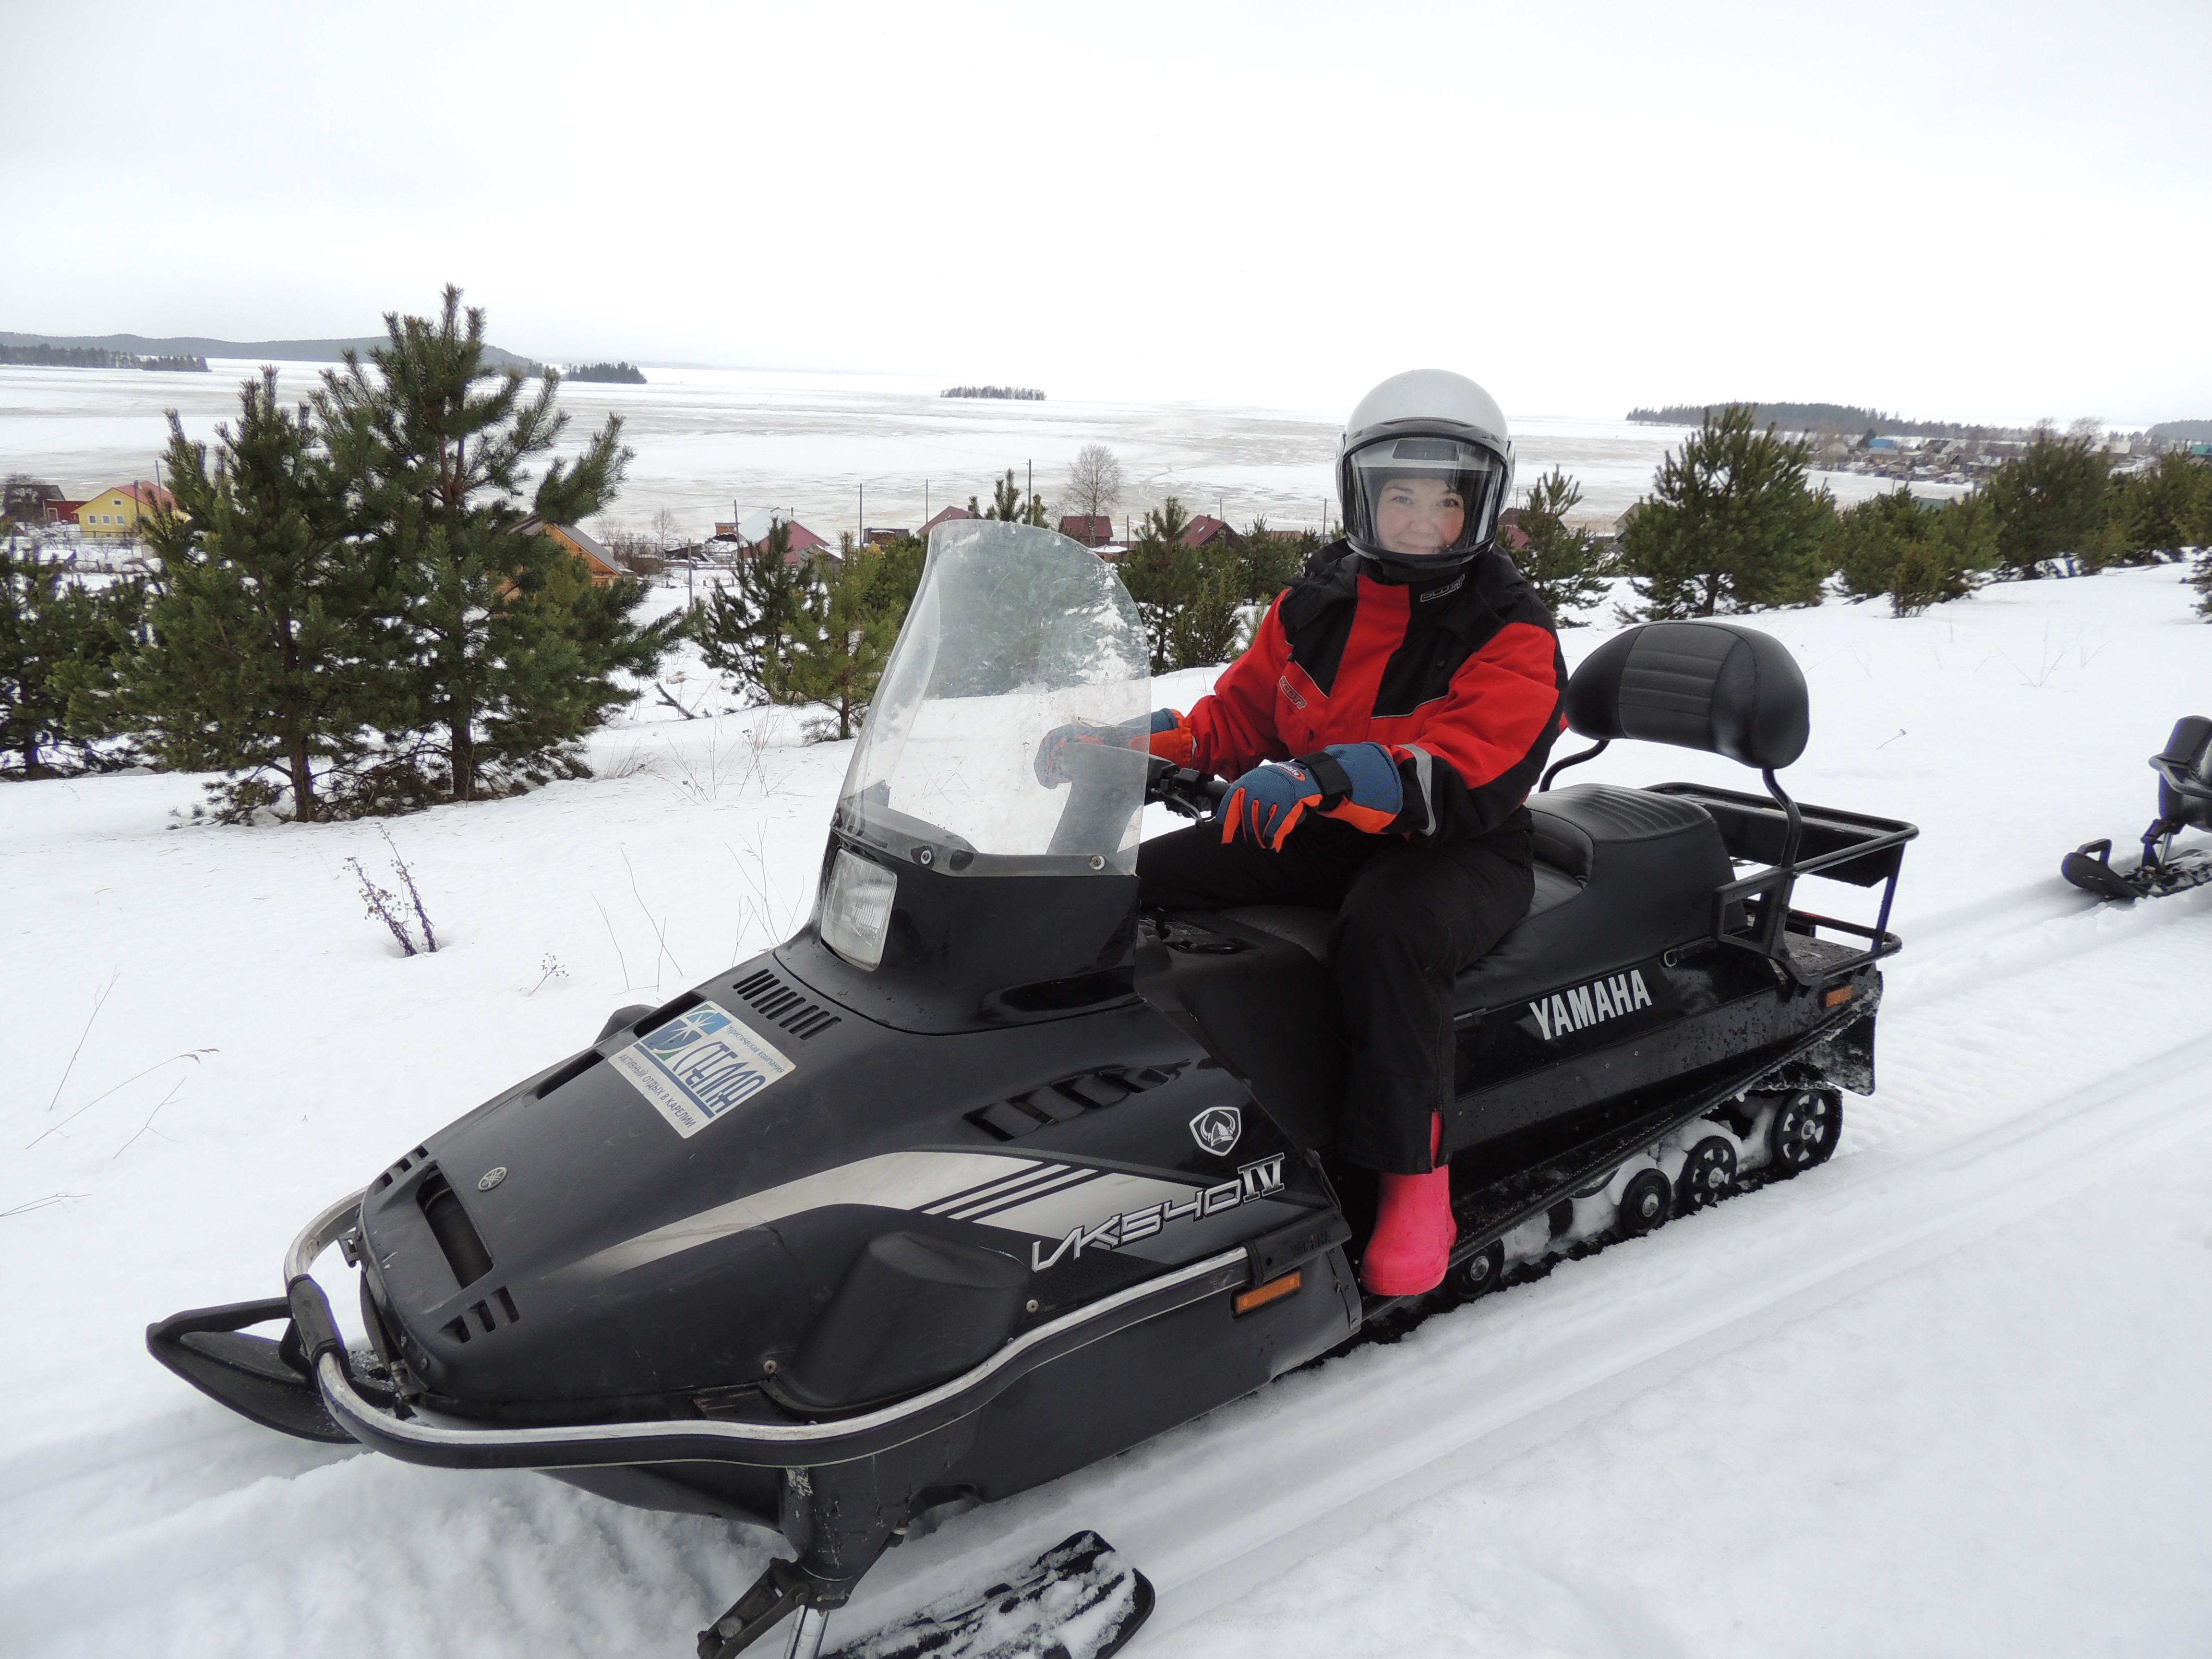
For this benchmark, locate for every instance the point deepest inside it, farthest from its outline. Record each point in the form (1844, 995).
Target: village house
(1204, 529)
(947, 516)
(25, 501)
(751, 530)
(117, 511)
(605, 568)
(1092, 530)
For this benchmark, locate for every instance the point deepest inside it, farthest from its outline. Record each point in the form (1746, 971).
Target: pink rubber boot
(1413, 1229)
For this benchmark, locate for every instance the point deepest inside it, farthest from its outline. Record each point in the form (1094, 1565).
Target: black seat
(2185, 776)
(1641, 869)
(1621, 875)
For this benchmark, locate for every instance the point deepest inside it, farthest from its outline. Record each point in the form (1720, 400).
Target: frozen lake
(707, 438)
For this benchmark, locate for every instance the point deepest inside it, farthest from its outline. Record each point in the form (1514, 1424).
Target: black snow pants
(1408, 919)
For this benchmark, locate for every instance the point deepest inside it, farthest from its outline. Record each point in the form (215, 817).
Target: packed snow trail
(1485, 1368)
(1943, 1395)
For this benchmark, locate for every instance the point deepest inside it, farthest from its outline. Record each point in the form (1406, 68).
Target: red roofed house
(753, 529)
(1510, 536)
(1204, 529)
(1092, 530)
(116, 512)
(945, 517)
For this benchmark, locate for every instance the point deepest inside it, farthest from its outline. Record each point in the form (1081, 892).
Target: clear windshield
(1014, 632)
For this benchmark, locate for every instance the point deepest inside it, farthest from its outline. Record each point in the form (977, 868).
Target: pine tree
(2050, 503)
(1869, 540)
(745, 626)
(509, 662)
(842, 636)
(1564, 564)
(1159, 573)
(1006, 504)
(2169, 508)
(58, 642)
(1729, 526)
(267, 619)
(1269, 561)
(1916, 552)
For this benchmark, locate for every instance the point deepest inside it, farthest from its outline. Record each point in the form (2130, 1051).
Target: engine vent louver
(567, 1074)
(786, 1009)
(1065, 1101)
(485, 1317)
(400, 1169)
(457, 1236)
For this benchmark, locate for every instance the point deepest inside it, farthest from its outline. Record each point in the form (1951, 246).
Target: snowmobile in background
(986, 1174)
(2185, 802)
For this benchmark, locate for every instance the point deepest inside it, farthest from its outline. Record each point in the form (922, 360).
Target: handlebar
(1185, 793)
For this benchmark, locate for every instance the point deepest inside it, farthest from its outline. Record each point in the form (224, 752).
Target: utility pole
(1032, 466)
(861, 535)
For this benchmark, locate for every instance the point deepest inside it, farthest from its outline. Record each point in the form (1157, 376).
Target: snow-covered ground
(1943, 1396)
(707, 438)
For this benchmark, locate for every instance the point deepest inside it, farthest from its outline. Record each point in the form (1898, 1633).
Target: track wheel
(1707, 1174)
(1805, 1130)
(1645, 1202)
(1479, 1274)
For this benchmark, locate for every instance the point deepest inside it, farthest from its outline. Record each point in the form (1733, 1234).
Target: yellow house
(116, 512)
(604, 567)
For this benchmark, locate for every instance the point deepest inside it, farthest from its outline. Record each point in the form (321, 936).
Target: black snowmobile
(985, 1176)
(2185, 802)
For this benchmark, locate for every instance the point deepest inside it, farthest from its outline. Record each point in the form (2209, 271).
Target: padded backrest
(2186, 760)
(1718, 686)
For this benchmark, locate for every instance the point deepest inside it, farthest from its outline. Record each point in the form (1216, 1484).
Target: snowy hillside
(1942, 1396)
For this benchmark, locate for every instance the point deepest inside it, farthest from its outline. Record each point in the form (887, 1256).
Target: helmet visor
(1423, 497)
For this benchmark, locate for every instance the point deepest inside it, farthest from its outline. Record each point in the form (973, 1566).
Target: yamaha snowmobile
(2185, 802)
(986, 1174)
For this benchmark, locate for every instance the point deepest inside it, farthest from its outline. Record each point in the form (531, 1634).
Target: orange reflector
(1841, 994)
(1273, 1291)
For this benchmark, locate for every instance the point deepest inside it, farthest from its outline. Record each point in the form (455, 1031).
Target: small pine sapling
(1564, 564)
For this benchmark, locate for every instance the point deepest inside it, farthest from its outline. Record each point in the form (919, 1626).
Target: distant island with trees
(42, 355)
(1826, 417)
(610, 373)
(196, 347)
(1024, 393)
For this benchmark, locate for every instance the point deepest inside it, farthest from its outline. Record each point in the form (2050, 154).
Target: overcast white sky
(1996, 211)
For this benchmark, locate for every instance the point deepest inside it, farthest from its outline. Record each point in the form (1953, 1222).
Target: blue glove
(1360, 784)
(1356, 782)
(1267, 802)
(1164, 731)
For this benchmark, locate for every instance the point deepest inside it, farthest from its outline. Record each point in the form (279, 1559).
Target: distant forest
(1026, 393)
(2192, 432)
(196, 347)
(50, 357)
(1829, 417)
(613, 374)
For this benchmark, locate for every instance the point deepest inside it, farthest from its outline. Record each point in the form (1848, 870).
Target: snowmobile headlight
(857, 910)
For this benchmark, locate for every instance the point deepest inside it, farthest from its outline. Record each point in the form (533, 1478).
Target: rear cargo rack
(1792, 841)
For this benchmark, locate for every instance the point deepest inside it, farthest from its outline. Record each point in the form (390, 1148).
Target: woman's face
(1415, 516)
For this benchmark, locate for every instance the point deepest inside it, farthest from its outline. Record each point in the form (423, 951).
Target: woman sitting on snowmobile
(1418, 682)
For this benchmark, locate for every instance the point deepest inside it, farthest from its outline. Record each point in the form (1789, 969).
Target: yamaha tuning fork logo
(1215, 1129)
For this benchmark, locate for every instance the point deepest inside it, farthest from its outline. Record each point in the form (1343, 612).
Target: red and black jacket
(1462, 678)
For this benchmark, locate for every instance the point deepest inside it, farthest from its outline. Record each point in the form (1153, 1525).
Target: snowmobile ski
(2185, 802)
(1080, 1600)
(2090, 868)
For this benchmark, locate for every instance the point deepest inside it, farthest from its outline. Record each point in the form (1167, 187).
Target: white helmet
(1428, 423)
